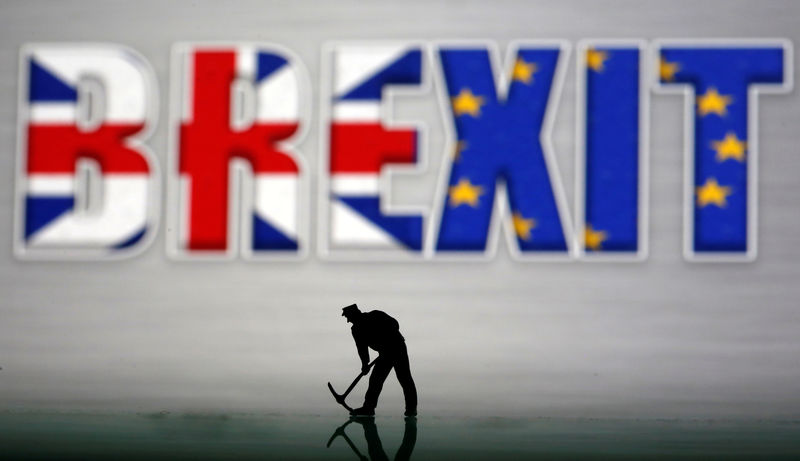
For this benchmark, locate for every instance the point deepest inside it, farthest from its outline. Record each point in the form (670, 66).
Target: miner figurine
(378, 331)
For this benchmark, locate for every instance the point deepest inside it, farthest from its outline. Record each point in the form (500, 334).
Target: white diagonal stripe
(356, 63)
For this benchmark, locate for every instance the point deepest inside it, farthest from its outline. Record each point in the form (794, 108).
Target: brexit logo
(89, 187)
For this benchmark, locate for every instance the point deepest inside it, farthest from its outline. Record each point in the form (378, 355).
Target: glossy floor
(165, 435)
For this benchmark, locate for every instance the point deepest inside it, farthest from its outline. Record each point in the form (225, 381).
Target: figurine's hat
(349, 310)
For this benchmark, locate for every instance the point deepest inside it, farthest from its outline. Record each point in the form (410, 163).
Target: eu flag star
(522, 225)
(467, 103)
(667, 70)
(711, 193)
(465, 192)
(713, 103)
(593, 239)
(523, 71)
(596, 59)
(730, 147)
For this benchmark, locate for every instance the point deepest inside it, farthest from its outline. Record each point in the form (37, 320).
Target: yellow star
(523, 71)
(712, 193)
(595, 59)
(593, 239)
(667, 70)
(465, 192)
(713, 102)
(729, 147)
(467, 103)
(523, 226)
(460, 146)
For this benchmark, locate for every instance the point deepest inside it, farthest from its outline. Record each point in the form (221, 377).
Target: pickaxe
(340, 398)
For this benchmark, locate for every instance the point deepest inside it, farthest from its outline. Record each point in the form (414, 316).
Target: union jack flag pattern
(239, 102)
(359, 217)
(63, 129)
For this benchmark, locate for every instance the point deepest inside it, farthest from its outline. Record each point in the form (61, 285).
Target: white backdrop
(658, 338)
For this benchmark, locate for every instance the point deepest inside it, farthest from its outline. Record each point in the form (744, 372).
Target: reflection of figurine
(377, 330)
(409, 440)
(374, 445)
(340, 431)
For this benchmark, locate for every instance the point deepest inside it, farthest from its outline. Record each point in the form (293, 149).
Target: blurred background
(658, 338)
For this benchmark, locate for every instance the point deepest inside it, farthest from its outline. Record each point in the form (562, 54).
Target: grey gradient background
(661, 338)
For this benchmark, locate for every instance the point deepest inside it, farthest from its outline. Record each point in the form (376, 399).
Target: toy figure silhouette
(378, 331)
(374, 445)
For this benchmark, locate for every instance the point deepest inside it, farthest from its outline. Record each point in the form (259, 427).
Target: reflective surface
(44, 435)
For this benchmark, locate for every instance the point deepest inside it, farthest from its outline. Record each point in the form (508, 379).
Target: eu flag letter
(722, 176)
(614, 148)
(498, 140)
